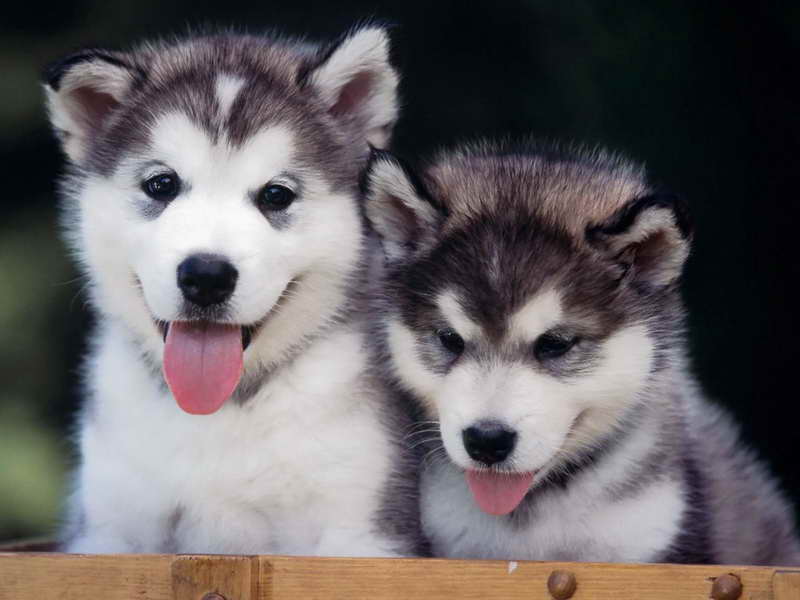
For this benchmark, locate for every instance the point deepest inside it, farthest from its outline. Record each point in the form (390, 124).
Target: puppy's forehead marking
(453, 311)
(183, 145)
(536, 316)
(227, 88)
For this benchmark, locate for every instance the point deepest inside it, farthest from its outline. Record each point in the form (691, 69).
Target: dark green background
(702, 92)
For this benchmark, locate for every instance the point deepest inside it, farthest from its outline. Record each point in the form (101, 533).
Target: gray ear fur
(649, 238)
(82, 90)
(358, 84)
(398, 207)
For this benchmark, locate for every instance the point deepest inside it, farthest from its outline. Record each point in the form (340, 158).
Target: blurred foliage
(703, 92)
(32, 354)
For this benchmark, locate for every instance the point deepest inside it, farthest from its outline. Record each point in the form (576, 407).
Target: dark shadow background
(702, 92)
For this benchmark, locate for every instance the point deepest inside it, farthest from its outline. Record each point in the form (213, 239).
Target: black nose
(489, 442)
(206, 279)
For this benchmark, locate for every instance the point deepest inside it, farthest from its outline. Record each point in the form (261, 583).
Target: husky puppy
(212, 200)
(532, 314)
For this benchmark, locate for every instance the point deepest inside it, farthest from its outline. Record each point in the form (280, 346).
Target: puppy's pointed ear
(399, 208)
(648, 239)
(83, 90)
(357, 84)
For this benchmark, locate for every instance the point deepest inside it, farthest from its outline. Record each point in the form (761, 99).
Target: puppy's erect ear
(648, 238)
(83, 90)
(357, 83)
(399, 208)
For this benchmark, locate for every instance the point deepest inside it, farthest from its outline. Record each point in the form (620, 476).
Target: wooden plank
(786, 585)
(284, 578)
(26, 576)
(230, 577)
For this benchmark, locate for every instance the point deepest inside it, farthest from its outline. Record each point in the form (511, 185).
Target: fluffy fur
(304, 459)
(559, 268)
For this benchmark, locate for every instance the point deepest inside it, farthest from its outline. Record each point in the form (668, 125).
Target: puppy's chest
(240, 490)
(582, 524)
(273, 470)
(260, 456)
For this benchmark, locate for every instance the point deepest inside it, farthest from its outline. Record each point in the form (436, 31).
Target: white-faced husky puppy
(533, 314)
(213, 202)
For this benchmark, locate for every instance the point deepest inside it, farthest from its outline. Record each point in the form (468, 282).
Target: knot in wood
(726, 587)
(213, 596)
(561, 585)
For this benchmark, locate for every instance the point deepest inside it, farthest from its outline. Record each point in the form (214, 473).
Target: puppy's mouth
(204, 357)
(204, 361)
(248, 331)
(498, 492)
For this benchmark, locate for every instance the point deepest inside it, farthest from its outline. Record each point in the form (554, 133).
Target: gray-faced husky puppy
(533, 313)
(213, 202)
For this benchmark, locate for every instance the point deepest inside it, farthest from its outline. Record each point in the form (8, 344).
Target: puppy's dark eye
(275, 197)
(451, 340)
(550, 345)
(162, 187)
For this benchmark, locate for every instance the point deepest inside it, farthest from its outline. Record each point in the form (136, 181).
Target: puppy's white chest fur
(581, 523)
(297, 469)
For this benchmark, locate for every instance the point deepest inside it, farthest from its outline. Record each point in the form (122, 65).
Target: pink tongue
(498, 493)
(202, 364)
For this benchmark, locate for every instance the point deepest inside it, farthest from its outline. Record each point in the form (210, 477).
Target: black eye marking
(162, 187)
(451, 341)
(551, 345)
(274, 197)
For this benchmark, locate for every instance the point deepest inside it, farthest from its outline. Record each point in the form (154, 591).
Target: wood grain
(42, 576)
(232, 577)
(434, 579)
(79, 577)
(786, 585)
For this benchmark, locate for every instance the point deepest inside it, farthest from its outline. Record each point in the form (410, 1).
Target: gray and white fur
(176, 150)
(532, 317)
